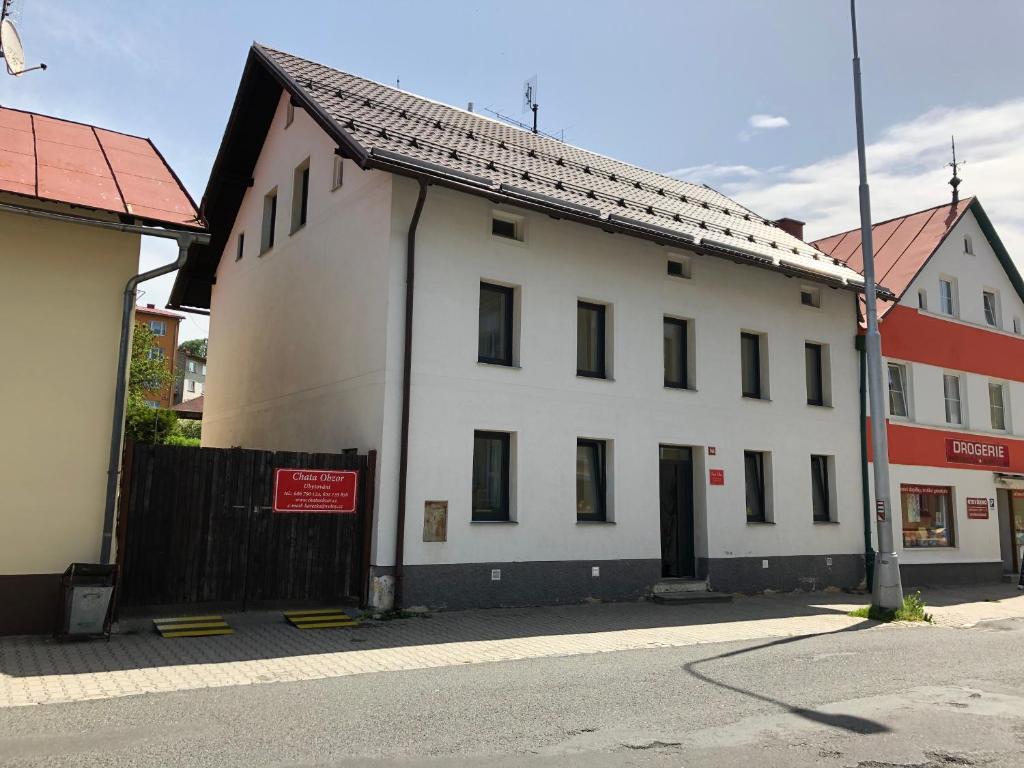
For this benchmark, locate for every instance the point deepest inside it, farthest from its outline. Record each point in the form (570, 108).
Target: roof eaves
(997, 245)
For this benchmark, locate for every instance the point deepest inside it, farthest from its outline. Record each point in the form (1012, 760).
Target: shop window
(898, 400)
(756, 480)
(927, 516)
(591, 481)
(951, 396)
(997, 405)
(491, 459)
(821, 488)
(496, 329)
(590, 340)
(676, 353)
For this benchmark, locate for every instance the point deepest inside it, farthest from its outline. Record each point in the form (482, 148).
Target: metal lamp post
(888, 589)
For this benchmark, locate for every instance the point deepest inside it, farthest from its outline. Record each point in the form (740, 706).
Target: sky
(753, 97)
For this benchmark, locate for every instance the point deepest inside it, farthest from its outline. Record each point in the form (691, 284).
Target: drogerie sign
(328, 491)
(961, 451)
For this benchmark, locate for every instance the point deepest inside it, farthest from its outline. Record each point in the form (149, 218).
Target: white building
(955, 359)
(558, 446)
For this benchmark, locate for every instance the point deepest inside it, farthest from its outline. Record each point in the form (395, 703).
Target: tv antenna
(530, 99)
(11, 49)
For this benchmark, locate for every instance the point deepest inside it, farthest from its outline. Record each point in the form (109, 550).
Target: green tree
(194, 347)
(143, 423)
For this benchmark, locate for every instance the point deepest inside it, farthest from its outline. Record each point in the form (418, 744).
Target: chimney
(791, 226)
(151, 306)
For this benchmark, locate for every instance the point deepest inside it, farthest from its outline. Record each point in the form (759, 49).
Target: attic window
(679, 267)
(968, 245)
(507, 226)
(289, 114)
(922, 299)
(810, 297)
(338, 175)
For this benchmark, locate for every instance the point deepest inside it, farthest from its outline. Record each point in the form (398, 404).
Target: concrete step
(680, 598)
(674, 586)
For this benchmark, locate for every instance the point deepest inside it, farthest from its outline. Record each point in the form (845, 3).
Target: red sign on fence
(977, 508)
(960, 451)
(328, 491)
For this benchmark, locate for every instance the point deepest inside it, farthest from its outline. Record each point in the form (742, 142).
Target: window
(898, 401)
(991, 305)
(922, 299)
(269, 221)
(810, 297)
(1016, 325)
(927, 515)
(190, 385)
(338, 174)
(679, 267)
(591, 485)
(155, 353)
(968, 245)
(753, 466)
(491, 476)
(813, 356)
(289, 114)
(996, 405)
(951, 395)
(676, 373)
(821, 489)
(590, 340)
(191, 366)
(240, 247)
(300, 196)
(750, 351)
(204, 369)
(158, 327)
(946, 299)
(507, 226)
(496, 308)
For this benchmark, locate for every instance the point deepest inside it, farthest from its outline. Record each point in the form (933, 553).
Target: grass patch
(911, 610)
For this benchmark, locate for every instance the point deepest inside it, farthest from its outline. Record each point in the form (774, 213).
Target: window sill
(677, 388)
(297, 229)
(756, 399)
(593, 377)
(827, 406)
(496, 364)
(494, 522)
(760, 522)
(826, 522)
(595, 522)
(264, 253)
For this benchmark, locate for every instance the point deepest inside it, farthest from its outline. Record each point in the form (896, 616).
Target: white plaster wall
(548, 407)
(297, 334)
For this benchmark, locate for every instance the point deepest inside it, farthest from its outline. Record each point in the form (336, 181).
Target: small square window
(679, 268)
(338, 174)
(508, 228)
(810, 297)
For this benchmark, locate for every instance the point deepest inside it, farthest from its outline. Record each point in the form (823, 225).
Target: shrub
(911, 610)
(188, 442)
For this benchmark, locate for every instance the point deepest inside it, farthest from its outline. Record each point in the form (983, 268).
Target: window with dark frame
(750, 349)
(491, 476)
(679, 268)
(815, 377)
(504, 228)
(269, 222)
(590, 340)
(676, 373)
(591, 481)
(753, 466)
(988, 301)
(898, 402)
(495, 333)
(821, 490)
(300, 196)
(240, 248)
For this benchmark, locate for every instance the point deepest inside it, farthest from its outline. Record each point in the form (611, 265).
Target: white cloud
(906, 171)
(767, 122)
(713, 171)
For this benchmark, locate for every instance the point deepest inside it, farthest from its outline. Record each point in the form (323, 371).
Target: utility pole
(888, 589)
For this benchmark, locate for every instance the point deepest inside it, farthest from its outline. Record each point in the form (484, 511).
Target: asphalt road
(888, 696)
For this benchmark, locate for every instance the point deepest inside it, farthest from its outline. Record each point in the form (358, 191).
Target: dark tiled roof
(59, 160)
(389, 129)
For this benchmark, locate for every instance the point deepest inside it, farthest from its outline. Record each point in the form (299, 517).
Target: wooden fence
(196, 527)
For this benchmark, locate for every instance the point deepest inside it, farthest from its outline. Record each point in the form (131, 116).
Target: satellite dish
(11, 48)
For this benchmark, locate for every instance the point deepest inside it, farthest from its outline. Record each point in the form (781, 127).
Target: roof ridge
(968, 200)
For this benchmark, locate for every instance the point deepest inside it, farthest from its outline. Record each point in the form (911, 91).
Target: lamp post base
(887, 591)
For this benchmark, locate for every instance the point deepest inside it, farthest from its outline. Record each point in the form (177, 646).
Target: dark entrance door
(677, 548)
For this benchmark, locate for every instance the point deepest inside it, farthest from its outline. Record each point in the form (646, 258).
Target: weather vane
(955, 181)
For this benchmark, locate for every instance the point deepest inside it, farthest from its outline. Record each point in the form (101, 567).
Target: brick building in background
(164, 325)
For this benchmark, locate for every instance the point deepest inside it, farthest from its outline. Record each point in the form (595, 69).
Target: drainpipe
(120, 390)
(403, 458)
(865, 487)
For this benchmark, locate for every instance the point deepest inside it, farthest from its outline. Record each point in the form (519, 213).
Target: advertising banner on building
(964, 451)
(324, 491)
(977, 508)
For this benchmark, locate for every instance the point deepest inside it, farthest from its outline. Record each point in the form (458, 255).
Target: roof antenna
(398, 83)
(11, 50)
(955, 181)
(530, 99)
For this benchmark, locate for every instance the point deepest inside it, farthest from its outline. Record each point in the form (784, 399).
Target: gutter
(185, 238)
(403, 458)
(865, 487)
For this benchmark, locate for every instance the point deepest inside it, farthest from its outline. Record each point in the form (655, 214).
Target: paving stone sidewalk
(264, 649)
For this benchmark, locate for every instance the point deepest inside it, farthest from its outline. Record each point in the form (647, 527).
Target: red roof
(149, 310)
(190, 409)
(58, 160)
(902, 245)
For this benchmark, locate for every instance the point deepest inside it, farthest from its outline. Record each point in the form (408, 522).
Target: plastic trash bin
(86, 600)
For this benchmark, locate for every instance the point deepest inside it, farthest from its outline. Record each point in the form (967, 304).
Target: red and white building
(954, 353)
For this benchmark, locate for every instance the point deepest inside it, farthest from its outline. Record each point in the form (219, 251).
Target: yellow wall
(61, 288)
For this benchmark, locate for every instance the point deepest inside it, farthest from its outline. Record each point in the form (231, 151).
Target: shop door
(677, 546)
